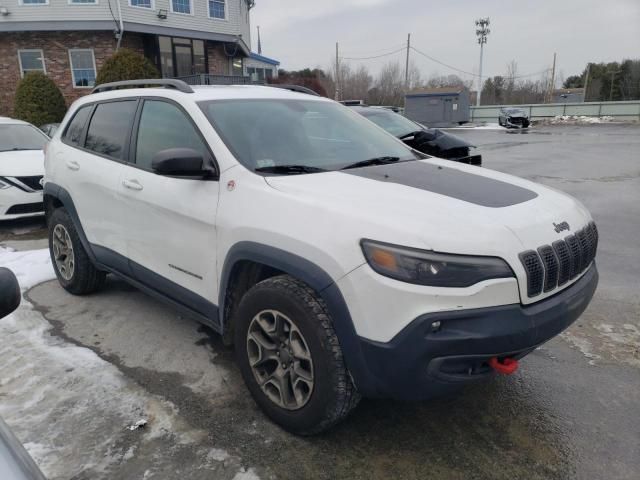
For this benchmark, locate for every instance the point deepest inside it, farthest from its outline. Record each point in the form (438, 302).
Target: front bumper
(421, 362)
(15, 203)
(517, 122)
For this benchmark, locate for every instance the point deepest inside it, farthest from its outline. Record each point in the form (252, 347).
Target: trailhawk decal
(451, 182)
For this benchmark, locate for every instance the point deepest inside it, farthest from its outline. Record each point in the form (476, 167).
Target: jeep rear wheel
(290, 358)
(70, 261)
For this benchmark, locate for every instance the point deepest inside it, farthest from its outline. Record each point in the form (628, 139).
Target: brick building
(69, 40)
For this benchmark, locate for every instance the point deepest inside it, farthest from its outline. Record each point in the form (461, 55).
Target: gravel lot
(77, 371)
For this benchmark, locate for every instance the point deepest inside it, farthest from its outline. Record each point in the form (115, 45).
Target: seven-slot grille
(554, 265)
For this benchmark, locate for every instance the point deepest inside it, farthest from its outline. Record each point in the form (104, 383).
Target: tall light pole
(482, 30)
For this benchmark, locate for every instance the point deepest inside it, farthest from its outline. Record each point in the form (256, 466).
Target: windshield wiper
(372, 161)
(287, 169)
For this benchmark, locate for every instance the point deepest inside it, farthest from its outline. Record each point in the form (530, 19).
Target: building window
(83, 68)
(34, 2)
(83, 2)
(258, 74)
(31, 61)
(141, 3)
(181, 6)
(217, 9)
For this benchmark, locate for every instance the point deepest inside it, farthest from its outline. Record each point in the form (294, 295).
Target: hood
(445, 141)
(21, 163)
(436, 205)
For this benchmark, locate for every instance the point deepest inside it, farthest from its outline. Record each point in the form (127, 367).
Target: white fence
(628, 111)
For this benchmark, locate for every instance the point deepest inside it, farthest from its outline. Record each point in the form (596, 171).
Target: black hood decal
(451, 182)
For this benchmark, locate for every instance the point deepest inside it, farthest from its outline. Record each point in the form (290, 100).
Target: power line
(376, 51)
(475, 74)
(442, 63)
(375, 56)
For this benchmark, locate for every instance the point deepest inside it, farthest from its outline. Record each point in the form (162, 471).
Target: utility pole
(586, 83)
(613, 74)
(337, 79)
(553, 79)
(406, 68)
(259, 42)
(482, 31)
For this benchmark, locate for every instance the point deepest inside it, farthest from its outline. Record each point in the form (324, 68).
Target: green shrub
(39, 100)
(126, 64)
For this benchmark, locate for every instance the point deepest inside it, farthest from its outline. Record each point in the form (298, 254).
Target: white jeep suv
(338, 261)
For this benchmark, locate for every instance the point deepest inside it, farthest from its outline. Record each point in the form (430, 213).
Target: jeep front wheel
(290, 358)
(70, 261)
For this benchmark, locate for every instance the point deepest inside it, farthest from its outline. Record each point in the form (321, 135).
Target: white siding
(60, 10)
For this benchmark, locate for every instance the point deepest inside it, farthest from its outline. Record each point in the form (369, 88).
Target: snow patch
(246, 475)
(31, 267)
(217, 455)
(579, 119)
(583, 345)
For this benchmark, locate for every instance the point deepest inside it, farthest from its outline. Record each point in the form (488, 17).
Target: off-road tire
(86, 278)
(333, 395)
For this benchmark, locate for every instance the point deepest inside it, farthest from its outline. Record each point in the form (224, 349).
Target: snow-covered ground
(72, 409)
(579, 119)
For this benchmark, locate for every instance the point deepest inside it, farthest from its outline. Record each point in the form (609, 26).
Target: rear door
(96, 148)
(170, 221)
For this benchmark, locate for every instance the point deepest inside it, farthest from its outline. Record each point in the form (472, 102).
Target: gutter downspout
(121, 26)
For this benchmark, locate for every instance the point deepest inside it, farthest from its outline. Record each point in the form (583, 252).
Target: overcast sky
(303, 33)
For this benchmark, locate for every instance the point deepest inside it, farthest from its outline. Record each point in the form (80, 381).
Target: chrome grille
(553, 266)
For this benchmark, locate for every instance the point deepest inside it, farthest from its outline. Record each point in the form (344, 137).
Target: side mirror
(180, 162)
(9, 292)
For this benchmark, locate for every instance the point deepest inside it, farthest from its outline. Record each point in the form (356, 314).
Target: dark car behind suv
(427, 140)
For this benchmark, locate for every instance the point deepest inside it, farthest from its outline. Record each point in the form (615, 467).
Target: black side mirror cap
(9, 292)
(180, 162)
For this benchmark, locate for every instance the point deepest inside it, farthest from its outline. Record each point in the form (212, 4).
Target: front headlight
(434, 269)
(4, 184)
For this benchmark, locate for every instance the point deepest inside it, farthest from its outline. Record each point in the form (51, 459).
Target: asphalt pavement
(571, 411)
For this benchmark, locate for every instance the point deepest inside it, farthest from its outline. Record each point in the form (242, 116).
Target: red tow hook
(506, 367)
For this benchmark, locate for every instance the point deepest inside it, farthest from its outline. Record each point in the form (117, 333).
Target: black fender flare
(318, 279)
(64, 197)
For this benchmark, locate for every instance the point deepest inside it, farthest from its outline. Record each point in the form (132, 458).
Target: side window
(73, 135)
(109, 128)
(163, 126)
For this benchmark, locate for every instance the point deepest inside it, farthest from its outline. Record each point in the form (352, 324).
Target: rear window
(73, 135)
(109, 128)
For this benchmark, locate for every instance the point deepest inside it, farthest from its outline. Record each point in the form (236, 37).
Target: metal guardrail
(628, 111)
(209, 79)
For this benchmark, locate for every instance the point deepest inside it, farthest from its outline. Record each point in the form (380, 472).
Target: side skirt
(159, 287)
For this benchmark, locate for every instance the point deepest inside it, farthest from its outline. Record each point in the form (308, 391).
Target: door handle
(72, 165)
(132, 185)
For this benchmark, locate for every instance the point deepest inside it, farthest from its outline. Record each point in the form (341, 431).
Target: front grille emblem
(559, 227)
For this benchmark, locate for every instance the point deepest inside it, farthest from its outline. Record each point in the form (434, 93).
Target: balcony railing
(208, 79)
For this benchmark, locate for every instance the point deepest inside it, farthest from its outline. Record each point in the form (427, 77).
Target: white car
(21, 169)
(338, 261)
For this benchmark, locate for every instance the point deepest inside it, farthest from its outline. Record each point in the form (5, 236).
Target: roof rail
(161, 82)
(294, 88)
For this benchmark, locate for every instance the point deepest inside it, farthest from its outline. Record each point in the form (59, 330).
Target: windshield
(264, 134)
(21, 137)
(394, 123)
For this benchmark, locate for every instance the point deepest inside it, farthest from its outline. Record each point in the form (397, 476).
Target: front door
(170, 221)
(181, 57)
(184, 57)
